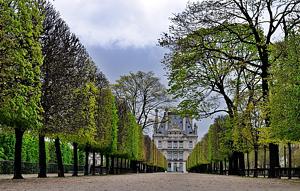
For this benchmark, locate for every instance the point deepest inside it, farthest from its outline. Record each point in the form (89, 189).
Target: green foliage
(21, 58)
(82, 120)
(50, 151)
(2, 155)
(81, 157)
(285, 90)
(7, 142)
(215, 146)
(204, 69)
(131, 138)
(217, 140)
(30, 148)
(67, 153)
(199, 155)
(123, 129)
(66, 149)
(106, 122)
(53, 88)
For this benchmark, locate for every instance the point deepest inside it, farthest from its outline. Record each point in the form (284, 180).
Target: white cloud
(120, 23)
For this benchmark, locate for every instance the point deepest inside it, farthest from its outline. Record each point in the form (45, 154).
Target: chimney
(155, 126)
(167, 119)
(184, 124)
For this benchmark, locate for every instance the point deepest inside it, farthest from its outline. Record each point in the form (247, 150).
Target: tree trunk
(94, 163)
(273, 148)
(112, 170)
(241, 159)
(18, 154)
(118, 166)
(60, 166)
(221, 167)
(274, 160)
(290, 161)
(86, 165)
(255, 161)
(42, 157)
(107, 164)
(235, 163)
(265, 159)
(225, 163)
(101, 164)
(75, 159)
(248, 164)
(121, 166)
(230, 165)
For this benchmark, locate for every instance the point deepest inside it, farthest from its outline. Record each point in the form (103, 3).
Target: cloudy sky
(121, 35)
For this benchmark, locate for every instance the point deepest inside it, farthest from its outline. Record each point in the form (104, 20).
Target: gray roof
(175, 123)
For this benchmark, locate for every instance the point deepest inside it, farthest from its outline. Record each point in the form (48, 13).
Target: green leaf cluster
(20, 62)
(285, 90)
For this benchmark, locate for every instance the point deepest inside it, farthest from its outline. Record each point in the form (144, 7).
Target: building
(175, 136)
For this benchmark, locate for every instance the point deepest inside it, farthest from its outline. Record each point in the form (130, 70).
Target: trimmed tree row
(51, 88)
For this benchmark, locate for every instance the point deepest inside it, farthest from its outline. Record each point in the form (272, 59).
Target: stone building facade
(175, 136)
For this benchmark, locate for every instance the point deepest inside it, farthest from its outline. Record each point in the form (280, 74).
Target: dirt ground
(149, 182)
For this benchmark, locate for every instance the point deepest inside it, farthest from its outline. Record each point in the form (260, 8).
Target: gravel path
(150, 182)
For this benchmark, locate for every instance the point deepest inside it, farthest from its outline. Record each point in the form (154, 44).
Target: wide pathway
(150, 182)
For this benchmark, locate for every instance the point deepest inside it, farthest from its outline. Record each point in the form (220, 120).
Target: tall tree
(67, 68)
(205, 75)
(143, 93)
(265, 18)
(21, 58)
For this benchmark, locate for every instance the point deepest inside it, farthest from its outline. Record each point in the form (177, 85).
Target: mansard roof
(173, 122)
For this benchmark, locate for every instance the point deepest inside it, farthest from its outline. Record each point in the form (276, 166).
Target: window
(191, 144)
(175, 144)
(180, 155)
(169, 155)
(175, 156)
(180, 144)
(159, 145)
(169, 144)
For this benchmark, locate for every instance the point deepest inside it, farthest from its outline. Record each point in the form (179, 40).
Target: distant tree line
(52, 92)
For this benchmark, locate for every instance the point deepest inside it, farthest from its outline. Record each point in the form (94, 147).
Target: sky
(122, 35)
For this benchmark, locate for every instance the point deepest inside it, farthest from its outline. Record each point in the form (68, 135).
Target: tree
(106, 122)
(265, 19)
(205, 75)
(217, 140)
(82, 119)
(21, 58)
(68, 89)
(143, 93)
(199, 155)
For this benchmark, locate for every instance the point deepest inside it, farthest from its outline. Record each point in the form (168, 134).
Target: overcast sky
(121, 35)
